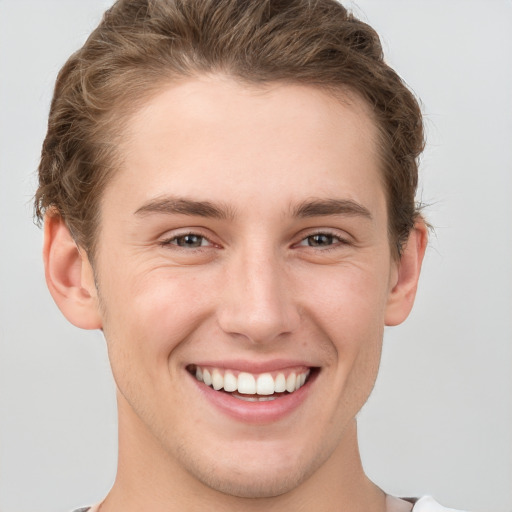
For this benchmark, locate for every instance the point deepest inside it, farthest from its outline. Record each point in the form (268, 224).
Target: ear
(69, 275)
(403, 292)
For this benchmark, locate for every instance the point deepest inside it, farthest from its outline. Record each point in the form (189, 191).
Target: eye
(320, 240)
(187, 241)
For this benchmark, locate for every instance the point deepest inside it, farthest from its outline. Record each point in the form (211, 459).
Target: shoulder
(428, 504)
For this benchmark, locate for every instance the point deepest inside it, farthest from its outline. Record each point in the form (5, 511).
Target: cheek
(357, 335)
(147, 318)
(349, 303)
(349, 307)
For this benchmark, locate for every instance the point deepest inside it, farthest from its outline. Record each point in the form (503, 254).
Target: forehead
(209, 136)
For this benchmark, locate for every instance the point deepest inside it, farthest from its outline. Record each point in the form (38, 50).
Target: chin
(261, 484)
(255, 477)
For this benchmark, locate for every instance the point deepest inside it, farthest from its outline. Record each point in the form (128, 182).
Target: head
(229, 192)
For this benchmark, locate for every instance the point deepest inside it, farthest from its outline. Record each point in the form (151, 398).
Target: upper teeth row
(249, 384)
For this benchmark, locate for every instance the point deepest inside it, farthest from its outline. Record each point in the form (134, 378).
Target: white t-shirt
(428, 504)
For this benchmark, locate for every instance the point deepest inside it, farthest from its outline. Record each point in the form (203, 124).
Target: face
(245, 274)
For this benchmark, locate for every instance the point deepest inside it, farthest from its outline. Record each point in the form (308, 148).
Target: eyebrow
(325, 207)
(183, 206)
(309, 208)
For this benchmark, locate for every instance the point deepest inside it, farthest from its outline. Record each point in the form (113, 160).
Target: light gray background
(440, 419)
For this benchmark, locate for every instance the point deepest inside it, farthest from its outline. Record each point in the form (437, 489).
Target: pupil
(320, 240)
(190, 241)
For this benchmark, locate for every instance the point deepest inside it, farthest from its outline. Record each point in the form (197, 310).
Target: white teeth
(217, 380)
(280, 383)
(248, 398)
(246, 383)
(230, 382)
(290, 383)
(252, 398)
(265, 384)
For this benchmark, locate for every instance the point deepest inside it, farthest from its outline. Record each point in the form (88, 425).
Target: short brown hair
(142, 44)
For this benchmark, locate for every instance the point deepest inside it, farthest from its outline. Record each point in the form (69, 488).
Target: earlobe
(69, 275)
(403, 292)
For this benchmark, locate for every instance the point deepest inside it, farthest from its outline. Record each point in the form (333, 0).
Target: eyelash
(336, 241)
(173, 241)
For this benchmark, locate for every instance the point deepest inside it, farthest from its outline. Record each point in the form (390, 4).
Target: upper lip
(255, 367)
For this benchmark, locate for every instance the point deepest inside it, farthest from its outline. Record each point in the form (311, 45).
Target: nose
(257, 301)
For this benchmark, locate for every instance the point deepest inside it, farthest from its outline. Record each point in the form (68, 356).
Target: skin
(257, 289)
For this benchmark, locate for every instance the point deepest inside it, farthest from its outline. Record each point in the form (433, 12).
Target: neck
(148, 478)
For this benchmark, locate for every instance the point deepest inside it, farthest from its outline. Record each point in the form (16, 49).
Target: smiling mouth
(252, 387)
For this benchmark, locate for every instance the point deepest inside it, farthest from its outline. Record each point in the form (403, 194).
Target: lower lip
(255, 412)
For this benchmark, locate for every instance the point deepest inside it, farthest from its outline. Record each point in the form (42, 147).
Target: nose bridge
(257, 303)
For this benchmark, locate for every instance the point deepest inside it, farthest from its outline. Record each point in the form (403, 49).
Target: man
(228, 193)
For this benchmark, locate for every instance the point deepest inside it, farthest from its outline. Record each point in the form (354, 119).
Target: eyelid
(341, 239)
(166, 241)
